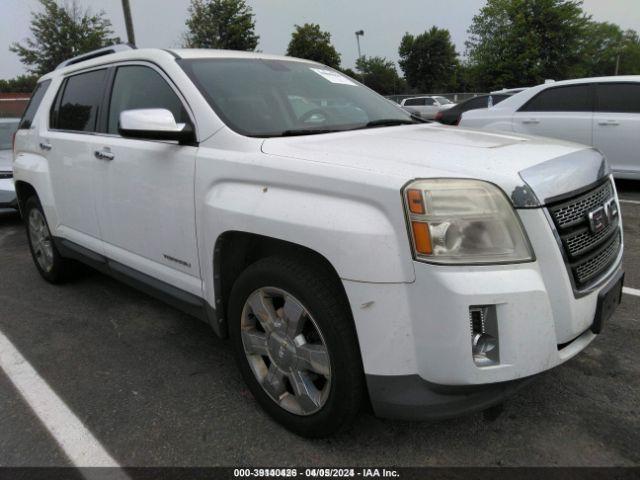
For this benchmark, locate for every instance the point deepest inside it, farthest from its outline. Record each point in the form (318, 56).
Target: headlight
(463, 222)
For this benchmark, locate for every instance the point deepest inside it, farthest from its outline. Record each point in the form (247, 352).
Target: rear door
(67, 145)
(430, 108)
(145, 188)
(616, 126)
(564, 112)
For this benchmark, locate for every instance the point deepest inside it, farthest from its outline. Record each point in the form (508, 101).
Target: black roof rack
(97, 53)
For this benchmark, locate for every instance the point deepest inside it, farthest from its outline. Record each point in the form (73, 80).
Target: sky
(160, 23)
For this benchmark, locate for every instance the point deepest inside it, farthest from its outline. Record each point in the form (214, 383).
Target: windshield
(267, 98)
(443, 100)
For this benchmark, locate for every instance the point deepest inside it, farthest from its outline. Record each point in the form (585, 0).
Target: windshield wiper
(309, 131)
(390, 122)
(384, 122)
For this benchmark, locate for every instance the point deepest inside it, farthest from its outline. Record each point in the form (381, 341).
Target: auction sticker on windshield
(333, 77)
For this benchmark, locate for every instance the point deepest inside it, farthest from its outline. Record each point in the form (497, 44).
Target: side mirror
(154, 124)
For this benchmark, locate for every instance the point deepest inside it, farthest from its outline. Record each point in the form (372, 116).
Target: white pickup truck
(350, 252)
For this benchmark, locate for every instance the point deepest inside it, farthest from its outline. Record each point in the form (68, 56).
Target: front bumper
(8, 197)
(409, 397)
(416, 337)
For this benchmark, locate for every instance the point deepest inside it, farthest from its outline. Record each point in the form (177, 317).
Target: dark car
(452, 115)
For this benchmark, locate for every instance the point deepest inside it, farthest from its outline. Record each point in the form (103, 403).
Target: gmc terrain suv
(351, 252)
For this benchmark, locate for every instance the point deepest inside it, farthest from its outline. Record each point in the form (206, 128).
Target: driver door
(145, 188)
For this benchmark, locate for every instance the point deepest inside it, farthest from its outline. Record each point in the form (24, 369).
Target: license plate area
(608, 300)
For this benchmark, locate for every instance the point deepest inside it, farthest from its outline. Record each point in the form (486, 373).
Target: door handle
(45, 146)
(609, 123)
(103, 155)
(531, 121)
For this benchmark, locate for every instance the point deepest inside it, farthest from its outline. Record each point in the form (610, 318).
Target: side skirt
(177, 298)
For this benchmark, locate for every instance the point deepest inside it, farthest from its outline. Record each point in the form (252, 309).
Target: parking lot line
(77, 442)
(632, 202)
(631, 291)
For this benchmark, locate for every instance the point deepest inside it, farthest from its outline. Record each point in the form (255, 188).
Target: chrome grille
(572, 212)
(582, 241)
(589, 255)
(592, 267)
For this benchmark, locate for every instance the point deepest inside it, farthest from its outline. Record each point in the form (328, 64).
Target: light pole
(359, 33)
(128, 21)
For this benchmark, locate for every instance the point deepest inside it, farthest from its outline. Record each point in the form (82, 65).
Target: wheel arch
(32, 177)
(234, 251)
(24, 190)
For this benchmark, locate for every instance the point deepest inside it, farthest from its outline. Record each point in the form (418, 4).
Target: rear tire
(296, 346)
(51, 265)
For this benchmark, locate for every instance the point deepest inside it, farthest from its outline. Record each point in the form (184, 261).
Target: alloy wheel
(40, 240)
(286, 350)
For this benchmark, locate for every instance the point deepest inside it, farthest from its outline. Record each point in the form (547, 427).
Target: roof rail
(97, 53)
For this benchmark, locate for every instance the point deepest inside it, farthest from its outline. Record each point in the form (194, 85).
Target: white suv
(348, 251)
(602, 112)
(426, 107)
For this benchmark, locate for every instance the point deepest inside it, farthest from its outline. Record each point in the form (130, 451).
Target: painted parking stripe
(632, 202)
(77, 442)
(631, 291)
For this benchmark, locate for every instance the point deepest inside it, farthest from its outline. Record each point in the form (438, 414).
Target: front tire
(51, 265)
(295, 344)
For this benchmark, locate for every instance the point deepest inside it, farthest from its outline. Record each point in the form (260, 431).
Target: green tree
(429, 60)
(523, 42)
(630, 54)
(308, 41)
(61, 32)
(607, 47)
(226, 24)
(20, 84)
(380, 75)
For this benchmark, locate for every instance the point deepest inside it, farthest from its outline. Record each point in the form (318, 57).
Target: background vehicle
(602, 112)
(345, 248)
(426, 107)
(451, 116)
(510, 91)
(8, 127)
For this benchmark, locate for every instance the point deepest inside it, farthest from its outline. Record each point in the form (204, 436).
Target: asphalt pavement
(157, 388)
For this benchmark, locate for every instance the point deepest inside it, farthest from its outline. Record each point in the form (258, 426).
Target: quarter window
(34, 103)
(138, 87)
(80, 102)
(619, 97)
(574, 98)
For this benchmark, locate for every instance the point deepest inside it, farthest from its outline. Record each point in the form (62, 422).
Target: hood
(430, 151)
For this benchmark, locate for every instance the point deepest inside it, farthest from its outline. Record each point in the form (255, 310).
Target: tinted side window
(618, 97)
(574, 98)
(429, 101)
(80, 102)
(138, 87)
(478, 102)
(412, 102)
(34, 103)
(498, 98)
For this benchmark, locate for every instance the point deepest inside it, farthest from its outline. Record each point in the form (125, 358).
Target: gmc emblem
(603, 216)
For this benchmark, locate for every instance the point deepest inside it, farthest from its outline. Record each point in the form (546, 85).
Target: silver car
(7, 190)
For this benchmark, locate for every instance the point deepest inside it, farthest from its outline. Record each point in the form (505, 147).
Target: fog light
(484, 335)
